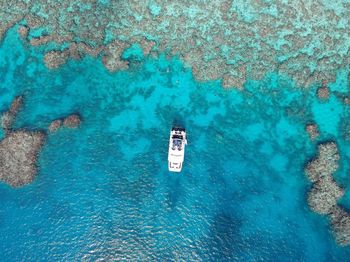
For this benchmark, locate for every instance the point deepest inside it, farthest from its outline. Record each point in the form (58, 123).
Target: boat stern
(175, 167)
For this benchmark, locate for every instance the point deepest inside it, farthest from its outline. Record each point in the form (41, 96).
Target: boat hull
(176, 153)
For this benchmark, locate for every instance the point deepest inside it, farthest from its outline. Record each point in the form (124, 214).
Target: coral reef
(324, 194)
(323, 93)
(8, 117)
(233, 81)
(36, 41)
(18, 155)
(306, 40)
(325, 164)
(54, 59)
(55, 125)
(83, 48)
(147, 46)
(23, 31)
(18, 149)
(312, 131)
(11, 13)
(112, 58)
(340, 220)
(71, 121)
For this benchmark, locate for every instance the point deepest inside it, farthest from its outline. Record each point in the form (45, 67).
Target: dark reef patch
(325, 193)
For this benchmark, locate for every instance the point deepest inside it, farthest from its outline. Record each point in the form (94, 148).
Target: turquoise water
(103, 191)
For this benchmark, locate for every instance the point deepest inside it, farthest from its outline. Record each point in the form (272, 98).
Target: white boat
(176, 154)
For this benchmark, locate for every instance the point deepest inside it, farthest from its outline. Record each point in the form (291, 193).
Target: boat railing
(181, 129)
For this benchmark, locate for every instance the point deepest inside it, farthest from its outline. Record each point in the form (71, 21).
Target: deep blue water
(103, 190)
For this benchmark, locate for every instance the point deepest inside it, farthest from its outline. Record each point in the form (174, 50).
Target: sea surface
(103, 191)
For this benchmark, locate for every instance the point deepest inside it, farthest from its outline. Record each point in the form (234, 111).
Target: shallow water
(103, 190)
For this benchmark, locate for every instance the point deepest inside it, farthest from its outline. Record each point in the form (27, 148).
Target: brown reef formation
(112, 58)
(323, 91)
(71, 121)
(305, 40)
(18, 156)
(55, 58)
(23, 31)
(18, 149)
(324, 194)
(8, 117)
(312, 131)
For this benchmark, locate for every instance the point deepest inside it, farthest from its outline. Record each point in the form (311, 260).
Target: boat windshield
(177, 144)
(177, 137)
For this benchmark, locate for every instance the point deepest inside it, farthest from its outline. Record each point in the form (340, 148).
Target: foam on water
(103, 191)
